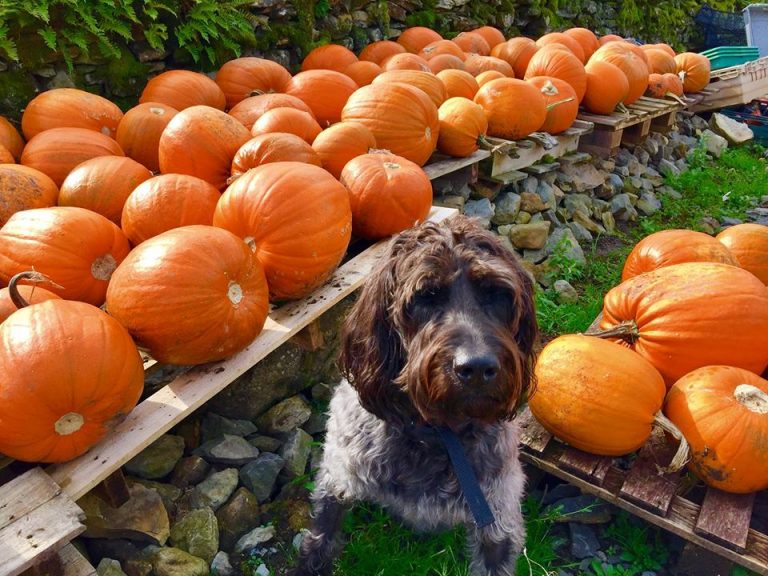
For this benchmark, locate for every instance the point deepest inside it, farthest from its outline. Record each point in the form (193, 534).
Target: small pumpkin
(442, 47)
(24, 188)
(182, 89)
(445, 62)
(557, 63)
(413, 39)
(70, 108)
(30, 294)
(673, 84)
(328, 57)
(424, 81)
(476, 65)
(380, 50)
(514, 108)
(140, 129)
(406, 61)
(657, 87)
(459, 83)
(517, 52)
(362, 72)
(272, 147)
(694, 70)
(607, 87)
(288, 120)
(338, 144)
(463, 126)
(561, 101)
(324, 91)
(250, 76)
(749, 245)
(561, 38)
(10, 138)
(251, 109)
(586, 39)
(472, 43)
(608, 38)
(493, 36)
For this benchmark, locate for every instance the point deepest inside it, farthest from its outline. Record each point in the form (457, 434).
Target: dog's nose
(481, 369)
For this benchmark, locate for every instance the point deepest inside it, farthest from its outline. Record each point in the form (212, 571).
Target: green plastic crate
(727, 56)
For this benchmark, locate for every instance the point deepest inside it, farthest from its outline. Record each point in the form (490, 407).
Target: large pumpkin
(669, 247)
(439, 47)
(338, 144)
(562, 103)
(380, 50)
(445, 62)
(472, 43)
(634, 68)
(23, 188)
(57, 151)
(660, 62)
(165, 202)
(413, 39)
(140, 129)
(324, 91)
(514, 108)
(564, 39)
(492, 35)
(328, 57)
(250, 76)
(5, 156)
(402, 119)
(201, 141)
(586, 39)
(273, 147)
(290, 121)
(685, 316)
(517, 52)
(182, 89)
(76, 248)
(723, 413)
(10, 138)
(558, 63)
(463, 126)
(596, 395)
(694, 70)
(297, 219)
(476, 65)
(607, 87)
(424, 81)
(406, 61)
(222, 307)
(253, 108)
(70, 108)
(102, 185)
(362, 72)
(388, 194)
(749, 245)
(30, 293)
(68, 374)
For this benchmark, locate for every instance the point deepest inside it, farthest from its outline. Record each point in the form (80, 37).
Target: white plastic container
(756, 23)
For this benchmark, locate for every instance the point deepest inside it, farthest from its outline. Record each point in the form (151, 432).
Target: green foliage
(642, 549)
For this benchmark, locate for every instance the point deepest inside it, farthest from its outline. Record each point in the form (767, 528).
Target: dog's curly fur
(442, 335)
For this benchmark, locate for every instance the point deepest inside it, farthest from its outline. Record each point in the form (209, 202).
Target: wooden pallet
(735, 85)
(644, 116)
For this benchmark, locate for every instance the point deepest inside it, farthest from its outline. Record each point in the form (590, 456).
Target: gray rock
(168, 492)
(584, 542)
(547, 194)
(316, 423)
(623, 157)
(713, 143)
(158, 459)
(152, 55)
(265, 443)
(609, 222)
(732, 130)
(481, 209)
(237, 517)
(288, 415)
(260, 476)
(532, 236)
(221, 565)
(507, 208)
(559, 492)
(450, 201)
(109, 567)
(61, 80)
(648, 203)
(577, 203)
(218, 487)
(668, 168)
(254, 538)
(215, 426)
(726, 222)
(228, 450)
(616, 181)
(583, 176)
(295, 452)
(529, 185)
(622, 209)
(635, 167)
(669, 191)
(197, 533)
(552, 216)
(652, 146)
(175, 562)
(565, 292)
(563, 239)
(642, 156)
(322, 391)
(581, 234)
(709, 225)
(621, 171)
(532, 203)
(523, 218)
(189, 471)
(583, 220)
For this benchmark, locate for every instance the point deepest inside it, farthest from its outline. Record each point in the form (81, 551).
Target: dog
(440, 342)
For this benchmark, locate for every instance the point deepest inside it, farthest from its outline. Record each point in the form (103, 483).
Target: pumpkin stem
(32, 276)
(556, 104)
(549, 89)
(752, 398)
(683, 453)
(483, 143)
(675, 97)
(622, 109)
(627, 330)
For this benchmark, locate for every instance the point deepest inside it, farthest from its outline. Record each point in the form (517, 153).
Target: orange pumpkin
(749, 245)
(338, 144)
(362, 72)
(24, 188)
(424, 81)
(273, 147)
(251, 109)
(463, 126)
(75, 371)
(657, 87)
(5, 156)
(70, 108)
(324, 91)
(561, 38)
(493, 36)
(102, 185)
(586, 39)
(387, 193)
(380, 50)
(561, 101)
(445, 62)
(669, 247)
(328, 57)
(514, 108)
(634, 68)
(57, 151)
(607, 87)
(608, 38)
(660, 62)
(472, 43)
(402, 119)
(182, 89)
(165, 202)
(557, 63)
(442, 47)
(406, 61)
(582, 391)
(76, 248)
(685, 316)
(288, 120)
(723, 413)
(660, 46)
(673, 84)
(201, 141)
(30, 294)
(297, 219)
(517, 52)
(250, 76)
(694, 71)
(458, 83)
(476, 65)
(487, 76)
(413, 39)
(140, 129)
(10, 138)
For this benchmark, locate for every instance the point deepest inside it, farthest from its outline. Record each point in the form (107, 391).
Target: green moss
(126, 78)
(17, 88)
(379, 11)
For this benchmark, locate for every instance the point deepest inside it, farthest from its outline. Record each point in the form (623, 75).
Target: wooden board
(163, 410)
(441, 166)
(65, 562)
(725, 518)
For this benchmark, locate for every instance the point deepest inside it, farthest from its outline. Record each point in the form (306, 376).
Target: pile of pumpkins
(683, 343)
(186, 216)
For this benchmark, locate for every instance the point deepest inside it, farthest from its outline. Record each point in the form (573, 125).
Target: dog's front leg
(494, 550)
(324, 541)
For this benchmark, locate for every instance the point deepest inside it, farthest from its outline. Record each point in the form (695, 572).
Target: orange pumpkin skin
(476, 65)
(462, 125)
(201, 141)
(265, 205)
(182, 89)
(636, 71)
(487, 76)
(660, 62)
(23, 188)
(749, 245)
(415, 38)
(459, 83)
(5, 156)
(673, 84)
(694, 70)
(722, 412)
(53, 241)
(608, 38)
(290, 121)
(165, 202)
(660, 46)
(221, 310)
(442, 47)
(517, 52)
(338, 144)
(607, 87)
(556, 93)
(472, 43)
(140, 129)
(669, 247)
(387, 193)
(273, 147)
(379, 51)
(445, 62)
(557, 63)
(362, 72)
(691, 315)
(31, 294)
(406, 61)
(250, 76)
(402, 119)
(76, 372)
(561, 38)
(424, 81)
(70, 108)
(56, 152)
(514, 108)
(586, 39)
(492, 35)
(10, 138)
(329, 57)
(102, 185)
(657, 88)
(251, 109)
(324, 91)
(582, 391)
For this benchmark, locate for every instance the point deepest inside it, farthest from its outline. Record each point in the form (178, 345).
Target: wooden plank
(539, 168)
(177, 400)
(114, 489)
(24, 494)
(448, 165)
(65, 562)
(310, 337)
(557, 146)
(644, 485)
(636, 133)
(578, 462)
(725, 518)
(532, 434)
(508, 177)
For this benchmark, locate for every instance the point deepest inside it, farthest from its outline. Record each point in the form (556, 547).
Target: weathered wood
(310, 337)
(636, 133)
(65, 562)
(644, 485)
(442, 166)
(725, 518)
(24, 494)
(114, 489)
(601, 142)
(538, 169)
(579, 462)
(533, 435)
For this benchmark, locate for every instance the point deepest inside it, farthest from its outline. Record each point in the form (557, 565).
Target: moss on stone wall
(18, 88)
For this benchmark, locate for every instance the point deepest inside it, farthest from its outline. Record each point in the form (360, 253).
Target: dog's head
(443, 332)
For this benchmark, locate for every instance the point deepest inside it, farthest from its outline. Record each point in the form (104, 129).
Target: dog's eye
(491, 295)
